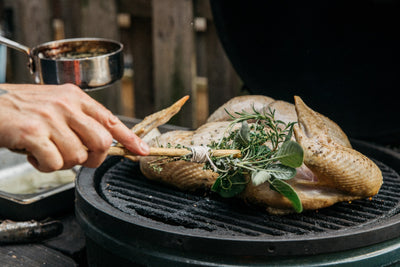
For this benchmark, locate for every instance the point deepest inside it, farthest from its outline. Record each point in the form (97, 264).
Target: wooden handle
(226, 152)
(172, 152)
(158, 151)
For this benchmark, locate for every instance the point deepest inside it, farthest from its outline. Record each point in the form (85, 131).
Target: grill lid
(126, 205)
(331, 53)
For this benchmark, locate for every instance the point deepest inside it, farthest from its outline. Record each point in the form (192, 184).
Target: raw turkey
(332, 171)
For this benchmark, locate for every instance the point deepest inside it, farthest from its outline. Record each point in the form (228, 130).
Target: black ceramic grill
(143, 221)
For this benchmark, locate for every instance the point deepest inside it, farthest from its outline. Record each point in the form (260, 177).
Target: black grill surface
(124, 187)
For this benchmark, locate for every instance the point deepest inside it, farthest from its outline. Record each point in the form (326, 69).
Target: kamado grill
(129, 220)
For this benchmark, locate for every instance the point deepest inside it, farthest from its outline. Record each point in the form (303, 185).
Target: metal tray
(26, 193)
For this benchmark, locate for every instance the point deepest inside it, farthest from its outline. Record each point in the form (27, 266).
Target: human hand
(60, 126)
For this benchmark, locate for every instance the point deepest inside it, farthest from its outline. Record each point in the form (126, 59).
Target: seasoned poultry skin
(332, 171)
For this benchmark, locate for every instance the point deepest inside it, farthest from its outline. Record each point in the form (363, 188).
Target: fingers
(125, 136)
(95, 137)
(45, 155)
(116, 128)
(86, 129)
(62, 150)
(32, 135)
(111, 123)
(70, 146)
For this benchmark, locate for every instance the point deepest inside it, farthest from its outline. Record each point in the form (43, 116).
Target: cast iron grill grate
(125, 188)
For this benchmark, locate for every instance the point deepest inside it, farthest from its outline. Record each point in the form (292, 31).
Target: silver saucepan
(90, 63)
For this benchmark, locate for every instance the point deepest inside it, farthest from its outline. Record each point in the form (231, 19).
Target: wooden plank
(29, 17)
(70, 14)
(99, 19)
(174, 56)
(212, 62)
(142, 52)
(32, 16)
(223, 82)
(127, 90)
(127, 97)
(202, 112)
(202, 8)
(137, 8)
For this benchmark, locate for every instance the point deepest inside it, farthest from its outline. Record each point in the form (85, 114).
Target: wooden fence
(171, 50)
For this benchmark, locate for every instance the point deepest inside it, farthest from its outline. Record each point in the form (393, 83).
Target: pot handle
(21, 48)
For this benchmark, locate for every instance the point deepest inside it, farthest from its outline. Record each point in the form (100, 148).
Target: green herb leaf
(290, 131)
(286, 190)
(290, 154)
(282, 172)
(260, 177)
(229, 186)
(242, 137)
(262, 150)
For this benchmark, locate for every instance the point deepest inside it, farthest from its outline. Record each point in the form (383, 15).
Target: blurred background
(171, 49)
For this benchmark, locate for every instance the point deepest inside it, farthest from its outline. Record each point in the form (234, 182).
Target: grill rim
(90, 203)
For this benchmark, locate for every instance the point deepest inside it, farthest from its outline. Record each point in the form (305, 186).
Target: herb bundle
(268, 155)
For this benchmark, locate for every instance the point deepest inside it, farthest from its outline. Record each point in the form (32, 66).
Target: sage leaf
(260, 177)
(286, 190)
(290, 132)
(282, 172)
(290, 154)
(229, 186)
(243, 135)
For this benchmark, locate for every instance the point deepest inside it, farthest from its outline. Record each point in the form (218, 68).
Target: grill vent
(125, 188)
